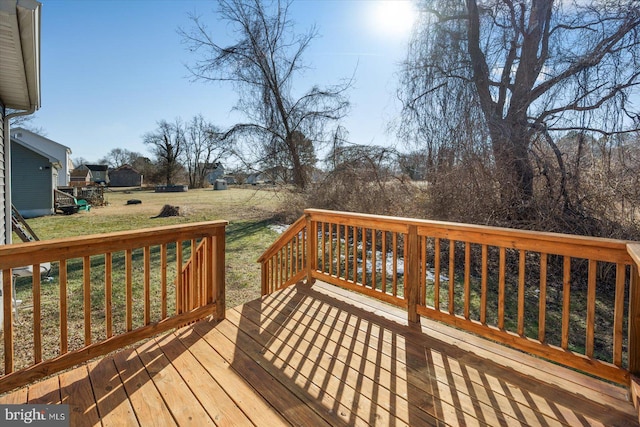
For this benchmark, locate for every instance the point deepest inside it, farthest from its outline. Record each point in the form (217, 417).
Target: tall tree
(204, 147)
(117, 157)
(534, 69)
(263, 63)
(167, 144)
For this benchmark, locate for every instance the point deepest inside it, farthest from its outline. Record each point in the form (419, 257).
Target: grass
(249, 212)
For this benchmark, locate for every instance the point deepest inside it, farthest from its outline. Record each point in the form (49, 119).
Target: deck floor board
(322, 355)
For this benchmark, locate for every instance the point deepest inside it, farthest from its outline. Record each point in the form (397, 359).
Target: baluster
(467, 279)
(37, 328)
(64, 330)
(452, 276)
(86, 281)
(108, 289)
(591, 306)
(521, 277)
(483, 286)
(566, 301)
(542, 300)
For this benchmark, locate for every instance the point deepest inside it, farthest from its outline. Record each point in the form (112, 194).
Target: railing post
(412, 284)
(312, 249)
(220, 252)
(263, 278)
(634, 321)
(7, 301)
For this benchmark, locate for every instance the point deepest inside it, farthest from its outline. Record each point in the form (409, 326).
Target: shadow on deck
(324, 356)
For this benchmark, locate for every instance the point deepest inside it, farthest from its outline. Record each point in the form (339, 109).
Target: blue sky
(111, 69)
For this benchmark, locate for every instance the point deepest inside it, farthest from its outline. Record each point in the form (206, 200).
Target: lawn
(249, 211)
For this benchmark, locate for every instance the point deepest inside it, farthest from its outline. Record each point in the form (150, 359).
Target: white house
(19, 85)
(19, 89)
(50, 148)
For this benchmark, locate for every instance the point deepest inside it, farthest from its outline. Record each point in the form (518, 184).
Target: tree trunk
(299, 176)
(510, 143)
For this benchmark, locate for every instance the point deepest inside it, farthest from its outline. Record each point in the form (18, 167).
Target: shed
(100, 173)
(80, 177)
(125, 176)
(51, 148)
(220, 184)
(34, 176)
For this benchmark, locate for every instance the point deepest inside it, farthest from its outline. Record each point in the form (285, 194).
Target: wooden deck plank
(17, 397)
(332, 377)
(75, 390)
(286, 401)
(46, 392)
(145, 398)
(567, 379)
(177, 396)
(220, 407)
(371, 371)
(321, 355)
(114, 406)
(530, 383)
(243, 394)
(343, 404)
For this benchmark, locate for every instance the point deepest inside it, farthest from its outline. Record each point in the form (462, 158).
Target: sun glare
(392, 18)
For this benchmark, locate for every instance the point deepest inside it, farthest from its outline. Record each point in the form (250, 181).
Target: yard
(249, 212)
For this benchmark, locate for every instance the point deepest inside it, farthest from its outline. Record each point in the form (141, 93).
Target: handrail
(634, 311)
(283, 263)
(524, 289)
(123, 287)
(288, 234)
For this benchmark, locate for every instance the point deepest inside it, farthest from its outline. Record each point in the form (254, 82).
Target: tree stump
(168, 210)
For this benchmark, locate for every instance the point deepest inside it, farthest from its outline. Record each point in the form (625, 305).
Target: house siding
(50, 148)
(3, 185)
(32, 178)
(125, 177)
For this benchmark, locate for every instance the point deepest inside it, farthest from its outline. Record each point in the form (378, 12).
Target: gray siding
(125, 178)
(32, 186)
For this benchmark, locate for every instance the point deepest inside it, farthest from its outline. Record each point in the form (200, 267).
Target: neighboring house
(34, 175)
(100, 173)
(51, 148)
(256, 178)
(216, 171)
(19, 86)
(125, 176)
(81, 177)
(230, 179)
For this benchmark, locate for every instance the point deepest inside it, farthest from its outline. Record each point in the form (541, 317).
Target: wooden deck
(324, 356)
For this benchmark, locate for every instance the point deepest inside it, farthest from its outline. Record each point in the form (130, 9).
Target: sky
(111, 69)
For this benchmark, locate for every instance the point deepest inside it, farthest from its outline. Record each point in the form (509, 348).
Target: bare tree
(534, 69)
(117, 157)
(167, 144)
(204, 147)
(263, 63)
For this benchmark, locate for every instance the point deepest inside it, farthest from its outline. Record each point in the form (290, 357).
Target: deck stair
(21, 227)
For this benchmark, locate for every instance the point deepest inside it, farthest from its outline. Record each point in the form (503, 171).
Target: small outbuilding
(220, 184)
(125, 176)
(99, 173)
(34, 175)
(80, 177)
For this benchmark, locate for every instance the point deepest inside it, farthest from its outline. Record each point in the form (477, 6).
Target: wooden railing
(284, 263)
(103, 292)
(548, 294)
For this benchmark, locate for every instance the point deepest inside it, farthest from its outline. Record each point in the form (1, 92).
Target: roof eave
(21, 19)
